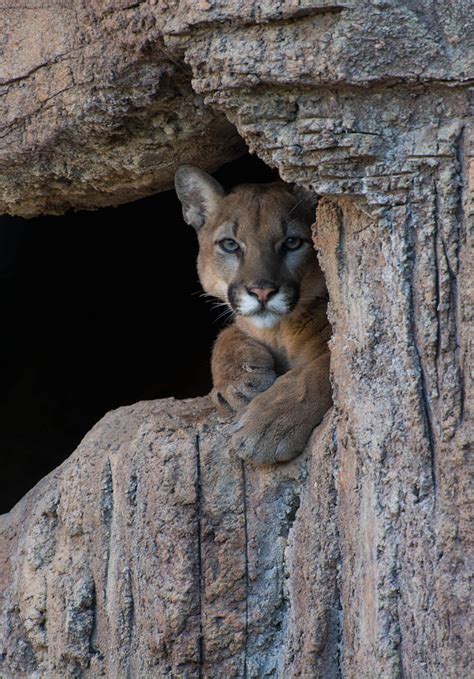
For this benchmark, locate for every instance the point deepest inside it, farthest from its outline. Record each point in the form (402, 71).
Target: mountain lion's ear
(198, 192)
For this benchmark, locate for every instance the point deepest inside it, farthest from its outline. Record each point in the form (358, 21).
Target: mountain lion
(271, 366)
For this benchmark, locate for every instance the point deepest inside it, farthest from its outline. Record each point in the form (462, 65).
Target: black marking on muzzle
(292, 294)
(232, 294)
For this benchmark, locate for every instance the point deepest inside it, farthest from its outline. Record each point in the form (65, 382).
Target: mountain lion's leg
(277, 424)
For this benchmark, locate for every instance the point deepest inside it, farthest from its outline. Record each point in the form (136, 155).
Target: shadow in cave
(99, 309)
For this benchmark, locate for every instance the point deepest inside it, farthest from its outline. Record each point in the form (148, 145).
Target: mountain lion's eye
(293, 243)
(229, 245)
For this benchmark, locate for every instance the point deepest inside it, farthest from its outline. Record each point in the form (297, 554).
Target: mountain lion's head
(255, 248)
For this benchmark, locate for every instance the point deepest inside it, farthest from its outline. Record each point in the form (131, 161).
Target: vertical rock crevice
(246, 547)
(199, 585)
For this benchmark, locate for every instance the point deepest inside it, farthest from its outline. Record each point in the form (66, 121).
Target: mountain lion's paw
(236, 394)
(268, 431)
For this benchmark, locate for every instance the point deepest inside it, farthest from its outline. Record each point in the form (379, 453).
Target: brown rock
(95, 111)
(152, 551)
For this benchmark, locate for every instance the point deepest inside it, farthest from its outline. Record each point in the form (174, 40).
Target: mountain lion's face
(255, 248)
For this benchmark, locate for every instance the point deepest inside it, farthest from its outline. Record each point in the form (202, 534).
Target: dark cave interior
(99, 309)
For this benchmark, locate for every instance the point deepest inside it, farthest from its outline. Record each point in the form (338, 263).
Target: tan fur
(269, 367)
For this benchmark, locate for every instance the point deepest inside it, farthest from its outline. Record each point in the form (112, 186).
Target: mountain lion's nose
(262, 294)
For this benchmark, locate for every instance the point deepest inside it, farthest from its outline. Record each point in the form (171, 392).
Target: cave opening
(99, 309)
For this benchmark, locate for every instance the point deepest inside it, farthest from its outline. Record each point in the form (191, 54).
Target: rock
(153, 551)
(95, 111)
(99, 106)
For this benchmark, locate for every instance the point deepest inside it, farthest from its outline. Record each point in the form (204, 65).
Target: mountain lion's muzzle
(265, 302)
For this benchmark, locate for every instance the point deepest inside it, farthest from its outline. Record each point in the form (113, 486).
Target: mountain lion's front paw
(237, 393)
(271, 430)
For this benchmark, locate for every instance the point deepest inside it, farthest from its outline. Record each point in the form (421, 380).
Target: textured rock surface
(153, 552)
(98, 107)
(368, 103)
(403, 427)
(94, 110)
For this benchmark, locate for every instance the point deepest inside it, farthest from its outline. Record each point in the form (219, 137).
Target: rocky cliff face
(152, 551)
(95, 110)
